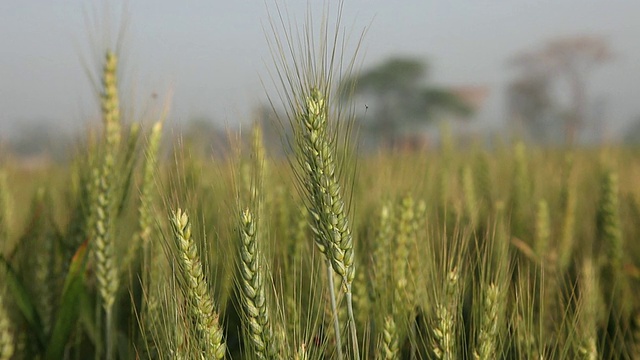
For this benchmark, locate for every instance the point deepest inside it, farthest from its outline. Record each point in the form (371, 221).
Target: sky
(212, 58)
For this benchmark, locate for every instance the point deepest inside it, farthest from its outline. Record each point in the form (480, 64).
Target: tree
(397, 98)
(571, 60)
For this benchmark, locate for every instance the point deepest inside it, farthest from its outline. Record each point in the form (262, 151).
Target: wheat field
(137, 251)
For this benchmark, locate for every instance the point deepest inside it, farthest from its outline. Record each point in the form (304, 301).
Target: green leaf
(23, 301)
(69, 310)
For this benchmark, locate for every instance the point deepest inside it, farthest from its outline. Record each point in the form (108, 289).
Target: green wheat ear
(327, 206)
(492, 307)
(254, 299)
(445, 330)
(103, 203)
(609, 229)
(588, 311)
(110, 101)
(200, 304)
(388, 348)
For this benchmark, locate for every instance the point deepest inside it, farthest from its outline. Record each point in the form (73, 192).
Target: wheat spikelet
(254, 300)
(489, 324)
(110, 101)
(406, 225)
(103, 248)
(200, 303)
(388, 347)
(446, 317)
(45, 262)
(333, 235)
(103, 203)
(587, 321)
(608, 221)
(327, 207)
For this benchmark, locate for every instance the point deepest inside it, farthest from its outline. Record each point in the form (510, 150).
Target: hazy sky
(213, 54)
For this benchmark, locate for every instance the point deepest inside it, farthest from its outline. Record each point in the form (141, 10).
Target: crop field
(135, 250)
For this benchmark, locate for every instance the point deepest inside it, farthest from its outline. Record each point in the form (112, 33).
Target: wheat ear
(194, 285)
(327, 207)
(446, 314)
(487, 337)
(254, 299)
(388, 349)
(103, 212)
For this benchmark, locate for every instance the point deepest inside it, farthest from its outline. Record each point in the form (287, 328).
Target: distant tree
(530, 99)
(571, 60)
(396, 97)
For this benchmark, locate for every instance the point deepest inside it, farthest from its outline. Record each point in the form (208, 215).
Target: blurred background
(554, 73)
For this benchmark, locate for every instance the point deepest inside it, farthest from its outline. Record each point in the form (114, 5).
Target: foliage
(397, 99)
